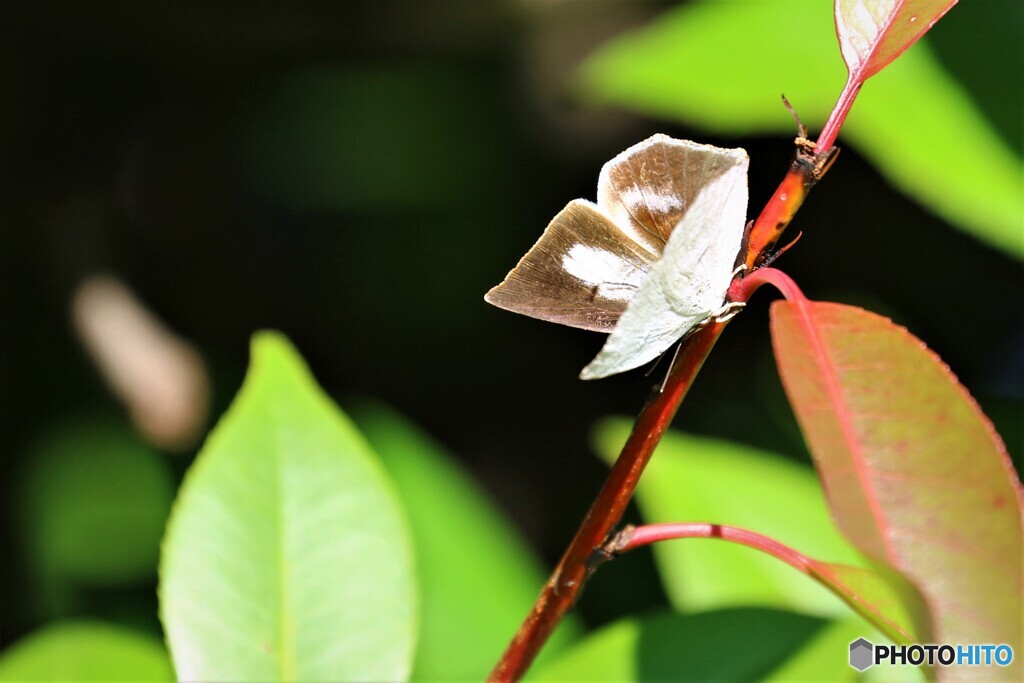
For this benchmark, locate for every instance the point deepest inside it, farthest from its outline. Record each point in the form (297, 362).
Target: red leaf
(915, 474)
(872, 33)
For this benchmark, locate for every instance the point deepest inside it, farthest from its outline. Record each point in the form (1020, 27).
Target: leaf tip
(272, 354)
(267, 344)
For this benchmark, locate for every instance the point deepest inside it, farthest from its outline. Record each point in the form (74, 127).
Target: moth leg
(728, 311)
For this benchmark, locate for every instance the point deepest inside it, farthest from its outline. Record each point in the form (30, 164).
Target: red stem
(652, 533)
(833, 577)
(836, 119)
(742, 290)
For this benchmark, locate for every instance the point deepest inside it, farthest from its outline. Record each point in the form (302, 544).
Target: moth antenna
(801, 129)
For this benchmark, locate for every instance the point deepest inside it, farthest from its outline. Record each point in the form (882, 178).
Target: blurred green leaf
(726, 645)
(287, 557)
(722, 65)
(947, 157)
(94, 500)
(694, 479)
(477, 578)
(85, 651)
(956, 45)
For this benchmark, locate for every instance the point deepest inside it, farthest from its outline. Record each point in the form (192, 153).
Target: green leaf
(477, 578)
(916, 475)
(94, 500)
(722, 65)
(287, 557)
(695, 479)
(85, 651)
(726, 645)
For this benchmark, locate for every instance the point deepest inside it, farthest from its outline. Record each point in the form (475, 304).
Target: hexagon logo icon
(861, 654)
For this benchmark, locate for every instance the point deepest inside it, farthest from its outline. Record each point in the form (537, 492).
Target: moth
(649, 262)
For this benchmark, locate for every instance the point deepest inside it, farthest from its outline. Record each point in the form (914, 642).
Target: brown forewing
(650, 186)
(582, 272)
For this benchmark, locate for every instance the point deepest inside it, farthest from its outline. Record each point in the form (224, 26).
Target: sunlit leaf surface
(722, 65)
(287, 557)
(916, 476)
(85, 651)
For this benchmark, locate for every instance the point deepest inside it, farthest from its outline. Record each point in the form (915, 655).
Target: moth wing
(648, 188)
(688, 283)
(582, 272)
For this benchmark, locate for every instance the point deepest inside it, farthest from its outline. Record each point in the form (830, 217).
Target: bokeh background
(357, 175)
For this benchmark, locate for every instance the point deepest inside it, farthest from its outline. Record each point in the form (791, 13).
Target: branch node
(620, 541)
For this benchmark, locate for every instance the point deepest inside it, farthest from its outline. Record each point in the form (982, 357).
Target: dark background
(357, 175)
